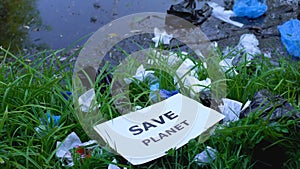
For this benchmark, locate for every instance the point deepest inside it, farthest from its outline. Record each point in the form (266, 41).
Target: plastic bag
(290, 36)
(250, 8)
(222, 14)
(205, 157)
(265, 101)
(186, 10)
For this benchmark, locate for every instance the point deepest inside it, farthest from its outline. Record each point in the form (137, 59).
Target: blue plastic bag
(290, 36)
(250, 8)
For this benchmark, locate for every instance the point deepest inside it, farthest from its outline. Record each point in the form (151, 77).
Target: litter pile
(269, 107)
(250, 16)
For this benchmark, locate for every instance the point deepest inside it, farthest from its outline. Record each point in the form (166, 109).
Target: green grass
(30, 89)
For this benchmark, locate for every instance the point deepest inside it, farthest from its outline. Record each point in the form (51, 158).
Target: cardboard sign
(147, 134)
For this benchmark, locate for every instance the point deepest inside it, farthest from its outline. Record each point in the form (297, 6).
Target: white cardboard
(188, 119)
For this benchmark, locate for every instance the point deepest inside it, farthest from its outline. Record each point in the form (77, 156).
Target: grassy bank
(31, 88)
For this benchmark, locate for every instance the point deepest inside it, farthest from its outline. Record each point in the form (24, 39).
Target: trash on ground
(72, 141)
(164, 94)
(113, 166)
(250, 8)
(206, 156)
(187, 67)
(154, 91)
(47, 122)
(230, 109)
(265, 102)
(66, 94)
(227, 66)
(222, 14)
(86, 99)
(290, 36)
(51, 117)
(186, 72)
(207, 100)
(196, 85)
(187, 10)
(161, 37)
(140, 75)
(248, 44)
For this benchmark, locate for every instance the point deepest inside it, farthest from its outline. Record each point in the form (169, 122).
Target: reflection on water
(55, 24)
(16, 18)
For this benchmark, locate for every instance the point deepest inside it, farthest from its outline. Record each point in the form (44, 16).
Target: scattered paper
(161, 37)
(86, 99)
(249, 44)
(113, 166)
(72, 141)
(230, 109)
(140, 75)
(206, 156)
(222, 14)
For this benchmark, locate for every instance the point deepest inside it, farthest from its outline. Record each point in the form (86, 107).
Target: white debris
(172, 58)
(230, 109)
(226, 65)
(141, 74)
(196, 85)
(249, 44)
(86, 99)
(161, 37)
(113, 166)
(246, 105)
(222, 14)
(187, 67)
(72, 141)
(186, 72)
(206, 156)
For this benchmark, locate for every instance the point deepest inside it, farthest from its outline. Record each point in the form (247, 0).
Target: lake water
(57, 24)
(53, 24)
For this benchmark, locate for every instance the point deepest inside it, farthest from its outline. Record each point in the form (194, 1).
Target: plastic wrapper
(187, 10)
(250, 8)
(161, 36)
(290, 36)
(206, 156)
(72, 141)
(231, 109)
(224, 15)
(265, 101)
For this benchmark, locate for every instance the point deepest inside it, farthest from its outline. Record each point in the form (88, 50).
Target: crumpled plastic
(161, 37)
(186, 72)
(72, 141)
(187, 67)
(85, 100)
(66, 94)
(250, 8)
(265, 102)
(51, 117)
(290, 36)
(187, 10)
(226, 65)
(154, 91)
(248, 44)
(222, 14)
(164, 94)
(206, 156)
(230, 109)
(113, 166)
(140, 75)
(172, 58)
